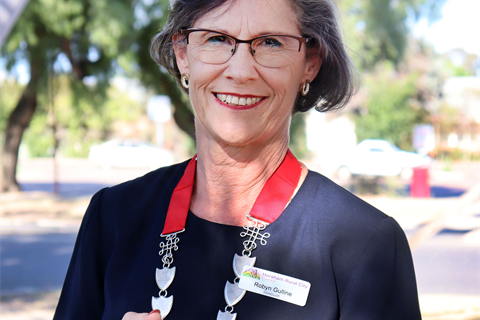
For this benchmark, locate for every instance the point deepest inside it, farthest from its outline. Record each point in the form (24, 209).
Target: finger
(136, 316)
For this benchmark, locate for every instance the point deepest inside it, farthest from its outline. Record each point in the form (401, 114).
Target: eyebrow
(216, 29)
(261, 34)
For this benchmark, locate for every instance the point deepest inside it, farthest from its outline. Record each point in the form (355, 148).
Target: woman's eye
(271, 42)
(217, 39)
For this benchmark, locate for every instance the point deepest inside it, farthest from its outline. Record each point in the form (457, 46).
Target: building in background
(457, 120)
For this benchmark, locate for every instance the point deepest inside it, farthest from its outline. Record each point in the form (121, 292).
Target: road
(447, 264)
(34, 262)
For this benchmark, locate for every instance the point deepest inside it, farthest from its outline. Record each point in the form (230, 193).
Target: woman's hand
(154, 315)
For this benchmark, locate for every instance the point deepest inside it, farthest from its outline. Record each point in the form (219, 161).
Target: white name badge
(274, 285)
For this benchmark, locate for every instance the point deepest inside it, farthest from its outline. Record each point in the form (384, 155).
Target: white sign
(159, 108)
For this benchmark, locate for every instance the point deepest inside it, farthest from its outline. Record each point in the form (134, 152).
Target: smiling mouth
(237, 101)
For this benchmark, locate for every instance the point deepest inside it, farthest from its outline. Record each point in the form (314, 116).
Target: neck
(228, 180)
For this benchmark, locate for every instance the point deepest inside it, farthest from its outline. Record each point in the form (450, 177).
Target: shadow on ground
(26, 256)
(65, 189)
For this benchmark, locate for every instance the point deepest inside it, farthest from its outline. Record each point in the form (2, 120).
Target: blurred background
(82, 107)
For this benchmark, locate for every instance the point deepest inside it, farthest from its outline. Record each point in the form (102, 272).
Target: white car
(380, 158)
(129, 154)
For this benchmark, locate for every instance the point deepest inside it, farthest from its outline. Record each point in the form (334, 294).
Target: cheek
(287, 81)
(198, 93)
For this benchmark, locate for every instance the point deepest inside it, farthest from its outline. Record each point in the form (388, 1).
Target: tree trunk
(18, 121)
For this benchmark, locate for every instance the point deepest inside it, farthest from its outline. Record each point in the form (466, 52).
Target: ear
(312, 66)
(180, 48)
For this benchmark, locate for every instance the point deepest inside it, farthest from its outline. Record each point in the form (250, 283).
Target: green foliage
(89, 36)
(38, 138)
(448, 156)
(457, 70)
(62, 18)
(81, 119)
(298, 137)
(390, 111)
(10, 92)
(377, 30)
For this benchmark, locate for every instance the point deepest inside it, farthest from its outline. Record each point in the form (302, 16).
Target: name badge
(274, 285)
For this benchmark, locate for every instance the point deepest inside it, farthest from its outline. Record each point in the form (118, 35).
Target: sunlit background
(82, 106)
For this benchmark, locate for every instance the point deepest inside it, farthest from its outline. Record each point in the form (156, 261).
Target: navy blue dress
(356, 258)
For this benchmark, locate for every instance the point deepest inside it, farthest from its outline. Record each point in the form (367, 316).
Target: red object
(154, 311)
(271, 201)
(419, 185)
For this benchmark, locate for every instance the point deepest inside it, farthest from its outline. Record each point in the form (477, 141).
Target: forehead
(250, 18)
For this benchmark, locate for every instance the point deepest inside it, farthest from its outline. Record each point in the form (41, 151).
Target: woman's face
(273, 89)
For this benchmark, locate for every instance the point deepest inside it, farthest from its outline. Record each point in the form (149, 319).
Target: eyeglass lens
(268, 51)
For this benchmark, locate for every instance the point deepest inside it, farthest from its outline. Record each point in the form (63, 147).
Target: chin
(242, 138)
(235, 140)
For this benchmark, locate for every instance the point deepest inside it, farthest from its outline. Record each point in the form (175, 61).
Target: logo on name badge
(274, 285)
(251, 273)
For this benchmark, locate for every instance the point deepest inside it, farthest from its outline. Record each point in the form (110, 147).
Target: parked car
(129, 154)
(380, 158)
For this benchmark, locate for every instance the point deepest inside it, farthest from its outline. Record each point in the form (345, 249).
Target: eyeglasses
(272, 51)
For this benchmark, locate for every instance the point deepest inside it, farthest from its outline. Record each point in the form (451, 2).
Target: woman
(309, 249)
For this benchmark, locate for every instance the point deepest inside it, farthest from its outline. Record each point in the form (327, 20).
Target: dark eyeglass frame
(186, 32)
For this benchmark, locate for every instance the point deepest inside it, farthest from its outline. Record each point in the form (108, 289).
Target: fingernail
(154, 311)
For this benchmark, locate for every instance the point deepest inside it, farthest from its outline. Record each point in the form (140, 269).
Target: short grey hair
(331, 89)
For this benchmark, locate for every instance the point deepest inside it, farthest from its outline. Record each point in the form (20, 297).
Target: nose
(242, 66)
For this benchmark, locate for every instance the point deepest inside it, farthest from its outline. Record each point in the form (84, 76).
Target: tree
(378, 30)
(93, 38)
(390, 111)
(395, 70)
(157, 79)
(45, 30)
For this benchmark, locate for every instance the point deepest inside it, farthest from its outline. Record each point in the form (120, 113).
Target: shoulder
(144, 189)
(144, 197)
(159, 180)
(339, 206)
(352, 229)
(349, 218)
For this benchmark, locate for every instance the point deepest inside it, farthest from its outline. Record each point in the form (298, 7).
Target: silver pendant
(226, 316)
(164, 277)
(233, 294)
(241, 261)
(164, 304)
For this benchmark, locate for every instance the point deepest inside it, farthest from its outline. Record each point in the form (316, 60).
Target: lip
(238, 107)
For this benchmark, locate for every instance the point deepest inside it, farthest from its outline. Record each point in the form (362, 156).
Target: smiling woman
(247, 67)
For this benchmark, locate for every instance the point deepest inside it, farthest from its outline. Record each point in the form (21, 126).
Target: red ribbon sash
(271, 201)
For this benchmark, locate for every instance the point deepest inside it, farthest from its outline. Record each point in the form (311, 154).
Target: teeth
(234, 100)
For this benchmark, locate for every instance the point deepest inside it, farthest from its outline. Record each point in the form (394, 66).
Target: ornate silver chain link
(166, 248)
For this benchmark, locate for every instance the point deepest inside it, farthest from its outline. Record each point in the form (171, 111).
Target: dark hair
(331, 89)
